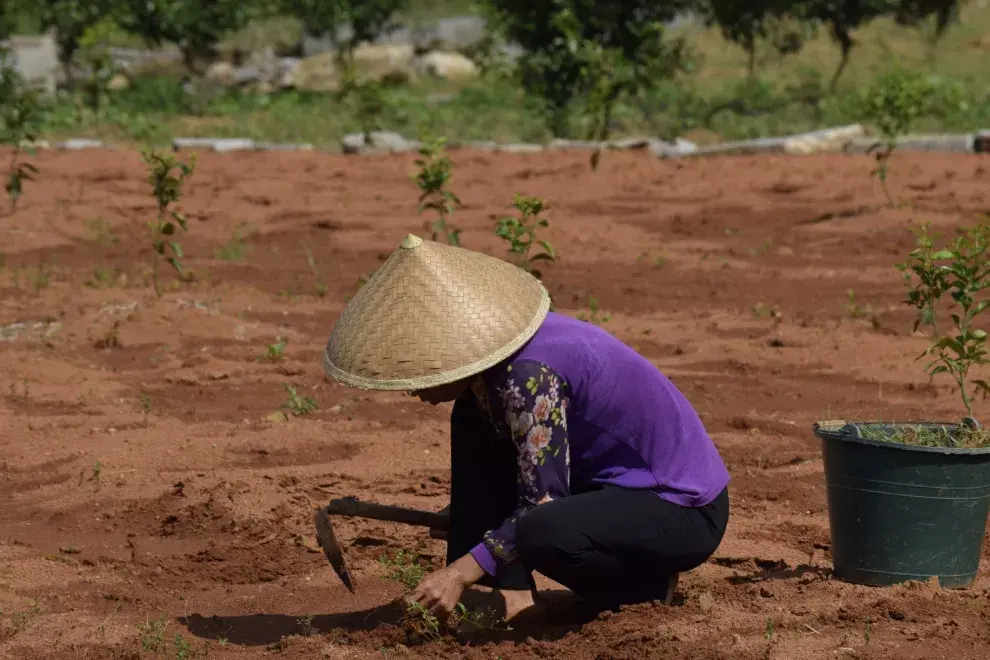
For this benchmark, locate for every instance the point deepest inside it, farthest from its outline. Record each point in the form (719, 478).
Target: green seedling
(101, 231)
(166, 189)
(102, 278)
(520, 233)
(867, 631)
(298, 405)
(235, 249)
(853, 308)
(435, 171)
(654, 262)
(153, 633)
(97, 471)
(20, 115)
(403, 569)
(593, 315)
(962, 270)
(274, 352)
(761, 311)
(321, 287)
(768, 629)
(893, 103)
(306, 624)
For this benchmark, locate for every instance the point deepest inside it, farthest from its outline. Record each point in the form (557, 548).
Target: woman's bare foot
(518, 602)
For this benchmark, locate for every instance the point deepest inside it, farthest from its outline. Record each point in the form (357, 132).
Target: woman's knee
(544, 538)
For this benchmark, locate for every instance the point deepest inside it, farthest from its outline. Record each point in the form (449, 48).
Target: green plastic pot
(899, 512)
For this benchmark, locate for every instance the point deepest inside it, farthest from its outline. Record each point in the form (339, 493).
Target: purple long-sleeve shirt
(584, 408)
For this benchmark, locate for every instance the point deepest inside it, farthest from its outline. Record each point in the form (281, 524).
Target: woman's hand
(440, 591)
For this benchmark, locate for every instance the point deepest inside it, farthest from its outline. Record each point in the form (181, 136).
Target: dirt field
(143, 475)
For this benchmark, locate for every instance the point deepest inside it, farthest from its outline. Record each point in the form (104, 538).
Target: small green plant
(166, 189)
(593, 315)
(961, 269)
(894, 101)
(867, 631)
(768, 629)
(853, 308)
(403, 569)
(520, 233)
(235, 249)
(306, 624)
(97, 471)
(102, 278)
(20, 116)
(761, 311)
(153, 633)
(435, 171)
(145, 403)
(298, 405)
(101, 230)
(321, 287)
(275, 352)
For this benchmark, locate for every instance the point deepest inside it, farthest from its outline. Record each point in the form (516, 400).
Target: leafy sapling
(893, 103)
(435, 171)
(20, 114)
(962, 270)
(166, 189)
(520, 233)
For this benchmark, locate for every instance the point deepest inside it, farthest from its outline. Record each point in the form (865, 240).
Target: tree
(71, 19)
(842, 17)
(367, 19)
(594, 51)
(746, 22)
(915, 13)
(195, 26)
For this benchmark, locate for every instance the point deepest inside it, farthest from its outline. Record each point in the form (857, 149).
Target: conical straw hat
(433, 314)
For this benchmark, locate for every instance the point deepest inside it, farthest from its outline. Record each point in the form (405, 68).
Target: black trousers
(611, 546)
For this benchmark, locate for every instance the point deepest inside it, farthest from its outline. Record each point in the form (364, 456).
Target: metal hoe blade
(328, 542)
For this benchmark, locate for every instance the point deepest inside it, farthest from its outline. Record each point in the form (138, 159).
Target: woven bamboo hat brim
(431, 315)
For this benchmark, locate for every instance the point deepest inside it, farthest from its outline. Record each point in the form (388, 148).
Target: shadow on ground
(568, 615)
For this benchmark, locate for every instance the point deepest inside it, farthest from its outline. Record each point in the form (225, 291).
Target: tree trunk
(841, 36)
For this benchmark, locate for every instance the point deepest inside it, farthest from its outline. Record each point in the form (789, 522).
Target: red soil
(197, 505)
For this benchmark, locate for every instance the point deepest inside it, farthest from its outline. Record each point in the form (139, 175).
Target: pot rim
(846, 431)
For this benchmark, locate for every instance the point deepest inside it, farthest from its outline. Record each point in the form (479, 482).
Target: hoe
(437, 521)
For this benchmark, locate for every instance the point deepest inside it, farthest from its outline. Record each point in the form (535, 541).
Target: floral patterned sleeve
(530, 400)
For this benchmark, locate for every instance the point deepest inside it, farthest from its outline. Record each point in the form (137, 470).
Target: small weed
(166, 189)
(153, 633)
(235, 249)
(403, 570)
(111, 338)
(101, 231)
(768, 629)
(761, 249)
(867, 631)
(520, 233)
(654, 262)
(761, 311)
(274, 352)
(853, 308)
(40, 277)
(306, 624)
(103, 278)
(321, 287)
(435, 171)
(145, 403)
(298, 405)
(184, 649)
(97, 471)
(593, 315)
